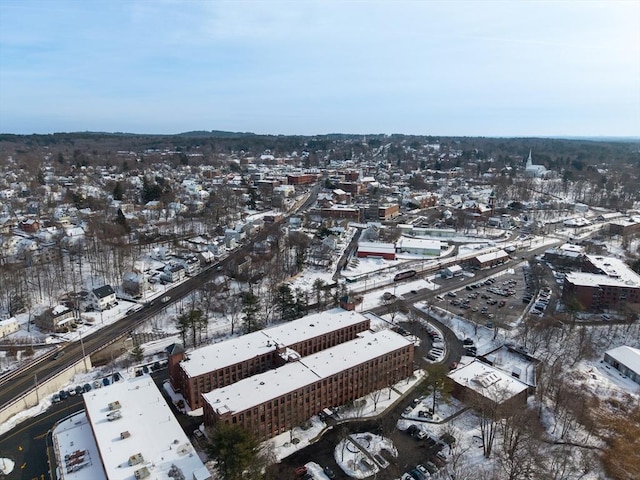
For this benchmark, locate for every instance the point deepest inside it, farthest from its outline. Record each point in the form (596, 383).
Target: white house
(103, 298)
(9, 326)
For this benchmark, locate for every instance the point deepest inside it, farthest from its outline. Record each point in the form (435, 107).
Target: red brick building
(606, 284)
(276, 401)
(224, 363)
(302, 179)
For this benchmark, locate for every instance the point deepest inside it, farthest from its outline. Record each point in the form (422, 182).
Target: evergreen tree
(285, 302)
(234, 450)
(250, 309)
(118, 191)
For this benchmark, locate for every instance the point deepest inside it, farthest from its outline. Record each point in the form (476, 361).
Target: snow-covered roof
(615, 273)
(614, 267)
(266, 386)
(628, 356)
(488, 257)
(230, 352)
(413, 242)
(376, 247)
(488, 381)
(454, 268)
(153, 431)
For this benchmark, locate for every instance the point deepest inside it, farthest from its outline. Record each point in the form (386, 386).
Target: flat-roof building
(377, 249)
(481, 384)
(608, 284)
(419, 246)
(137, 434)
(224, 363)
(273, 402)
(490, 259)
(626, 360)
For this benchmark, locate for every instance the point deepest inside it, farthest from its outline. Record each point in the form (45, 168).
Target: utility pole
(35, 376)
(84, 357)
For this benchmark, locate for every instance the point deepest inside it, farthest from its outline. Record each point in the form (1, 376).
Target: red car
(300, 471)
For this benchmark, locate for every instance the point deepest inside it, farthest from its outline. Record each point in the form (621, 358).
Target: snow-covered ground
(592, 374)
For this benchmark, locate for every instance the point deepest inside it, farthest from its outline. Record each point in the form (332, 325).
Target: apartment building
(274, 402)
(607, 284)
(224, 363)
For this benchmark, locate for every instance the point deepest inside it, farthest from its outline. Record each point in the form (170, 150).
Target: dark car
(57, 355)
(63, 394)
(87, 387)
(417, 474)
(106, 382)
(431, 468)
(116, 377)
(79, 389)
(412, 429)
(329, 473)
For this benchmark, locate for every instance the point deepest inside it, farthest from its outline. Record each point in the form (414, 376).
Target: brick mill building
(277, 400)
(606, 284)
(218, 365)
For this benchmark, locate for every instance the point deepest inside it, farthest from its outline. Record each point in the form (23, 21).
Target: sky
(454, 68)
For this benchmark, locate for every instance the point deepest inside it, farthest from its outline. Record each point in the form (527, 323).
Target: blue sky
(476, 68)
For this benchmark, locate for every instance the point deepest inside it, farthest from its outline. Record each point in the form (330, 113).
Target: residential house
(103, 298)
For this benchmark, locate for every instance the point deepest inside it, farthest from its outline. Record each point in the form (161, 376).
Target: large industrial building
(136, 434)
(273, 402)
(225, 363)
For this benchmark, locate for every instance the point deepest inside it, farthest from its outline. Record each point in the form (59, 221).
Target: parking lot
(499, 299)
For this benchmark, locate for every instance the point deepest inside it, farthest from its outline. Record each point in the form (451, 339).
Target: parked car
(412, 429)
(63, 394)
(421, 435)
(79, 390)
(431, 468)
(417, 474)
(300, 471)
(56, 398)
(423, 470)
(87, 387)
(329, 473)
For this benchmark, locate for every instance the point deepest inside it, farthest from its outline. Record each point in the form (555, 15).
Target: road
(28, 444)
(16, 383)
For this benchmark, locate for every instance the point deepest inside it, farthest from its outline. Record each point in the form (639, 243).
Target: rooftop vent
(124, 435)
(115, 406)
(142, 473)
(136, 459)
